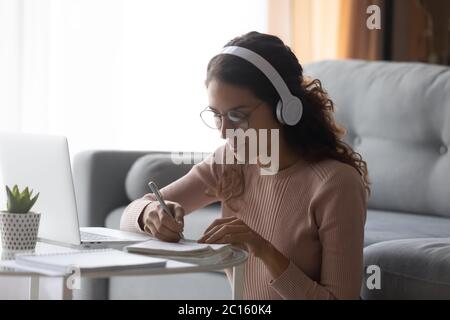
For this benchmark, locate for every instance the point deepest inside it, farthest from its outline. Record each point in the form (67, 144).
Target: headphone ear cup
(279, 111)
(292, 111)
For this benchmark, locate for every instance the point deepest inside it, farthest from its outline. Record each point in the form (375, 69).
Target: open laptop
(42, 163)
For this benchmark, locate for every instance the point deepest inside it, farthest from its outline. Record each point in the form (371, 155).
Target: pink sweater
(312, 213)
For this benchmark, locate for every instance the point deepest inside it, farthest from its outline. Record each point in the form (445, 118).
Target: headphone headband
(265, 67)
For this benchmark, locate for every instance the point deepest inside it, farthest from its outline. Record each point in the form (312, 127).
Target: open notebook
(186, 250)
(89, 260)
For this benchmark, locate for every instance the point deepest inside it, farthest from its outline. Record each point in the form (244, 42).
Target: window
(116, 74)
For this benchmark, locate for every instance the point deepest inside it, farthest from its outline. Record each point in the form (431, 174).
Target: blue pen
(160, 199)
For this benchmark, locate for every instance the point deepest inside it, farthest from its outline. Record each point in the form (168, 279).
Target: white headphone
(289, 108)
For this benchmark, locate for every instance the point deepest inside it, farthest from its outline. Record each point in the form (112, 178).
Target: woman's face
(224, 97)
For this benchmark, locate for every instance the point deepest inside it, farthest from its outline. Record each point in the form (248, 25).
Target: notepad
(183, 248)
(90, 260)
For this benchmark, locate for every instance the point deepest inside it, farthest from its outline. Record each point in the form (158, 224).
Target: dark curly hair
(316, 137)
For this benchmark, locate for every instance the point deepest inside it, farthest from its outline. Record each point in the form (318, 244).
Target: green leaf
(16, 190)
(21, 197)
(25, 193)
(14, 206)
(33, 201)
(9, 192)
(10, 198)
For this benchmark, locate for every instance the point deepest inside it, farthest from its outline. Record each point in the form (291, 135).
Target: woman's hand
(235, 231)
(161, 225)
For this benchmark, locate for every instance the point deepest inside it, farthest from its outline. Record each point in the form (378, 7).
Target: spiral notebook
(89, 260)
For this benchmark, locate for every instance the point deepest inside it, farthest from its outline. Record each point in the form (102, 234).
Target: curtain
(421, 30)
(411, 30)
(307, 26)
(438, 18)
(356, 41)
(326, 29)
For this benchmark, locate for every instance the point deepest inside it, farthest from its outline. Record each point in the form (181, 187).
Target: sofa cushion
(397, 115)
(195, 223)
(410, 269)
(385, 225)
(161, 168)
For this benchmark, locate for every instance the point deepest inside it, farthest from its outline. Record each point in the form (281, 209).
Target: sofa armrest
(99, 181)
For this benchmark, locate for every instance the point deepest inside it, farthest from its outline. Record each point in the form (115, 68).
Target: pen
(158, 196)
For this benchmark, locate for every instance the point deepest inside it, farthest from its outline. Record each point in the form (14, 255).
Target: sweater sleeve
(190, 191)
(339, 210)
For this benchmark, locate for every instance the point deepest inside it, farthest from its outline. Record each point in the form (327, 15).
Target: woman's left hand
(235, 231)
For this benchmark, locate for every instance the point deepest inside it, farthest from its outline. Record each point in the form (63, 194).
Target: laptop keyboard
(91, 237)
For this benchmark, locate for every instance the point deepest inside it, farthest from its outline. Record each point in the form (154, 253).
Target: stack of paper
(89, 260)
(186, 250)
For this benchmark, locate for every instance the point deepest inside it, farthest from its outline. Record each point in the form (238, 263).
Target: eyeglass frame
(246, 118)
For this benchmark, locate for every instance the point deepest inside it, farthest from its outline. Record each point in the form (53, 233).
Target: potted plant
(18, 226)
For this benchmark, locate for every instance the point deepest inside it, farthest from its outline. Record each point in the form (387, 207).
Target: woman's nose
(225, 125)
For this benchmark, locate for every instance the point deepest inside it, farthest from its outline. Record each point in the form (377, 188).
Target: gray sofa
(397, 116)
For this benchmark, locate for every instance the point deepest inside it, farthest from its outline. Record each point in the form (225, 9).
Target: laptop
(42, 163)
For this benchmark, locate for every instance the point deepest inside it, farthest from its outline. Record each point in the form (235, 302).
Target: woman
(303, 225)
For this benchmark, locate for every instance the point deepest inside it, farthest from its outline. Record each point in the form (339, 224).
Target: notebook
(89, 260)
(186, 250)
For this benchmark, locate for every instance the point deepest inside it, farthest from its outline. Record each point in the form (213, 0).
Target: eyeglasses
(237, 119)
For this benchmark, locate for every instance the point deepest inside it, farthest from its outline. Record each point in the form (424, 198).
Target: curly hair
(316, 137)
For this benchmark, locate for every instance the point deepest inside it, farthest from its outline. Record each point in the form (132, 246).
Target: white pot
(19, 230)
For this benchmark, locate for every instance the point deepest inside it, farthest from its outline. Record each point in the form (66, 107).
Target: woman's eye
(236, 117)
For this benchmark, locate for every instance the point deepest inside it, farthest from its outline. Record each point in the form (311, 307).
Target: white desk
(8, 269)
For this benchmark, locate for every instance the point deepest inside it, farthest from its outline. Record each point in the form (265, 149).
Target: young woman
(303, 225)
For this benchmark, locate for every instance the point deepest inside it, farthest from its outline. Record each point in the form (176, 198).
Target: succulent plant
(20, 202)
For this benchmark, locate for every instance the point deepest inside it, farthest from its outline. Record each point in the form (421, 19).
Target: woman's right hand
(159, 224)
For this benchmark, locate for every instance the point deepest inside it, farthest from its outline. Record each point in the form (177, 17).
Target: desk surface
(8, 266)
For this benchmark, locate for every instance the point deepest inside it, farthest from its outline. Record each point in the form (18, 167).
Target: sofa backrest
(397, 115)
